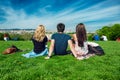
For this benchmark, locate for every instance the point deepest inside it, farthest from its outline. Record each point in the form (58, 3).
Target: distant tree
(90, 36)
(112, 32)
(26, 36)
(1, 36)
(115, 31)
(15, 36)
(106, 30)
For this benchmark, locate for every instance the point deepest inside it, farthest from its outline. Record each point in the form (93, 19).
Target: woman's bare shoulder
(74, 36)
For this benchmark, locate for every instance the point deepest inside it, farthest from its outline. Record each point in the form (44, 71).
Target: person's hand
(48, 57)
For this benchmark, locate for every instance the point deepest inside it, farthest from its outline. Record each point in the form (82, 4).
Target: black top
(39, 46)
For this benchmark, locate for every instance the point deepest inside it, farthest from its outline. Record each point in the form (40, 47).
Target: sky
(28, 14)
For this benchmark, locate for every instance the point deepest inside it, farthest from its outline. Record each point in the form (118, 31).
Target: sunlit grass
(16, 67)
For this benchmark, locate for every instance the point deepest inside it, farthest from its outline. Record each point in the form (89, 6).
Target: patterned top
(81, 50)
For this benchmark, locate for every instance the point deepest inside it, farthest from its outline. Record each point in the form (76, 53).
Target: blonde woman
(39, 41)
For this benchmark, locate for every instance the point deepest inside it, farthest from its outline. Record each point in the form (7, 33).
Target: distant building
(17, 31)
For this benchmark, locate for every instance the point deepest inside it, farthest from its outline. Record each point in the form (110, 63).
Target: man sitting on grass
(59, 42)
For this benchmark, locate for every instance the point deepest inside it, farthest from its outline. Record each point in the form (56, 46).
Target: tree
(112, 32)
(1, 36)
(115, 29)
(106, 30)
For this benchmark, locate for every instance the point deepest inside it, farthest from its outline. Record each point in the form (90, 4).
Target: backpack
(96, 50)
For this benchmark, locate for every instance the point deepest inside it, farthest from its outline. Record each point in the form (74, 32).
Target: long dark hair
(81, 34)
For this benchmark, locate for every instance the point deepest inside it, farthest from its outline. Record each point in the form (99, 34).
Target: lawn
(16, 67)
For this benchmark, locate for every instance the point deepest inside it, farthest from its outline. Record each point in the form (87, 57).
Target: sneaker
(80, 58)
(26, 55)
(89, 55)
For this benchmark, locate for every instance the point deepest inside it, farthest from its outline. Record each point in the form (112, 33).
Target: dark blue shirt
(61, 43)
(39, 46)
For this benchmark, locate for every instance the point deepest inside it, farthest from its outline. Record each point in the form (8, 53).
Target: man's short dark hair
(60, 27)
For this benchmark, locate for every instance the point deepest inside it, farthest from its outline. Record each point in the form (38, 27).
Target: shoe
(88, 56)
(26, 55)
(80, 58)
(47, 57)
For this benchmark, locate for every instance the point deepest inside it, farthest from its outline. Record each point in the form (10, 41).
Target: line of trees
(14, 36)
(112, 32)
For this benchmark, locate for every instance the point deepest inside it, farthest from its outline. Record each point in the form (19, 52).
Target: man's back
(61, 43)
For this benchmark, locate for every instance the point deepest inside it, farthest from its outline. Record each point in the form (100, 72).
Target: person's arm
(72, 48)
(46, 40)
(51, 48)
(73, 39)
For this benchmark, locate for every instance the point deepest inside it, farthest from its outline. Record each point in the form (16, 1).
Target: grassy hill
(16, 67)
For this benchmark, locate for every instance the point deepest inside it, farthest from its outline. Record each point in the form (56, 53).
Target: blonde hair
(39, 34)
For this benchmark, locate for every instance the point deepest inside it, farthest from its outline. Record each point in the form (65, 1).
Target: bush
(26, 36)
(1, 36)
(14, 36)
(23, 36)
(112, 32)
(90, 36)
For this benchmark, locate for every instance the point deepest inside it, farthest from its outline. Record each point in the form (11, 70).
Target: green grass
(16, 67)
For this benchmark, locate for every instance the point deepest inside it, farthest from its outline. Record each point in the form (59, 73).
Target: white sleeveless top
(81, 50)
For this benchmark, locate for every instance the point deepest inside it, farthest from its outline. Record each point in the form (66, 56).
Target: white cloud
(19, 19)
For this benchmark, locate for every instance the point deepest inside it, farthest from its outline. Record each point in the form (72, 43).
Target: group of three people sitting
(59, 43)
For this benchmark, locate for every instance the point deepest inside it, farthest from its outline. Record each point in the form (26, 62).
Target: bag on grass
(12, 49)
(95, 48)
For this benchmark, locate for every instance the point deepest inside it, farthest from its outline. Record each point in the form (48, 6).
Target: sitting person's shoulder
(67, 35)
(74, 34)
(54, 34)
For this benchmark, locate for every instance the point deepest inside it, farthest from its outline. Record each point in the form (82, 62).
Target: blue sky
(30, 13)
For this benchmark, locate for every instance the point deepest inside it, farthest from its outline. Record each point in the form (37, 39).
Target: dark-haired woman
(80, 39)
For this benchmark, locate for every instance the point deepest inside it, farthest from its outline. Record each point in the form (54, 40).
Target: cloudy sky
(30, 13)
